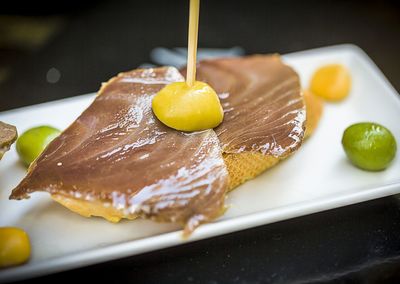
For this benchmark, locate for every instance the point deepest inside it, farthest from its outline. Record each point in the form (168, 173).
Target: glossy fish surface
(264, 110)
(119, 153)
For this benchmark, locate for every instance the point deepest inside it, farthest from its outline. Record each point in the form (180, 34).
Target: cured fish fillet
(117, 155)
(118, 161)
(264, 112)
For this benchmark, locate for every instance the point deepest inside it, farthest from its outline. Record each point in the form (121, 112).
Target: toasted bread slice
(269, 121)
(241, 168)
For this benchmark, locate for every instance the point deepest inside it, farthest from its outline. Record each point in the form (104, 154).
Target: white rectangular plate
(318, 177)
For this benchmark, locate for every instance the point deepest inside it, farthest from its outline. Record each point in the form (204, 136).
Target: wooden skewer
(192, 41)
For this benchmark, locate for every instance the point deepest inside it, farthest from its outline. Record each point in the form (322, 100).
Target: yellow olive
(331, 82)
(188, 108)
(14, 246)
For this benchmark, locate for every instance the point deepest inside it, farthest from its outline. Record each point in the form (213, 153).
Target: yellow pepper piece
(331, 82)
(188, 108)
(14, 246)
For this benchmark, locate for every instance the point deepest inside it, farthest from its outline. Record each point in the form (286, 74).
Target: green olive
(33, 141)
(369, 146)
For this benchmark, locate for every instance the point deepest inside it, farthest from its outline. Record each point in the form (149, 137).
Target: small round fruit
(331, 82)
(188, 108)
(14, 246)
(33, 141)
(369, 146)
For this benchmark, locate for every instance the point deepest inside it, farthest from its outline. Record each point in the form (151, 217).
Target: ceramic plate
(317, 178)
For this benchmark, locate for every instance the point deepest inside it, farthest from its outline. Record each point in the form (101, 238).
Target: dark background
(90, 42)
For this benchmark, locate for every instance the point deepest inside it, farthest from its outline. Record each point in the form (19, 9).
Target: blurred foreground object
(15, 247)
(8, 135)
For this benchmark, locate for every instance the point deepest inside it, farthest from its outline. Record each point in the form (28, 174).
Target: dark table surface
(88, 43)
